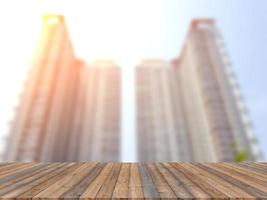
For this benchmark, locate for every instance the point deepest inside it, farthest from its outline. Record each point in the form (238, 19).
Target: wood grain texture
(133, 181)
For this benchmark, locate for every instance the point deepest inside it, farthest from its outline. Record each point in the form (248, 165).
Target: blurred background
(123, 80)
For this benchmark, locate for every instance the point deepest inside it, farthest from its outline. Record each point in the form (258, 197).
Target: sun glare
(124, 31)
(52, 20)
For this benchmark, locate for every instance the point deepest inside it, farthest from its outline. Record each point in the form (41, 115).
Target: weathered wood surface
(132, 180)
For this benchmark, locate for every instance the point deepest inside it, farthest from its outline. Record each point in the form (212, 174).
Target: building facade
(96, 132)
(188, 110)
(160, 128)
(205, 101)
(66, 104)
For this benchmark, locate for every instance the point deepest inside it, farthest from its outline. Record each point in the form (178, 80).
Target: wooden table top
(132, 180)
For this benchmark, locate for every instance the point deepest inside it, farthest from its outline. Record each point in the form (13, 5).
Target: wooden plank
(258, 165)
(259, 184)
(78, 190)
(15, 188)
(173, 182)
(20, 174)
(43, 183)
(188, 184)
(15, 180)
(94, 187)
(200, 182)
(222, 185)
(233, 180)
(135, 184)
(122, 186)
(253, 167)
(263, 164)
(61, 186)
(247, 172)
(149, 188)
(108, 186)
(6, 165)
(163, 188)
(14, 168)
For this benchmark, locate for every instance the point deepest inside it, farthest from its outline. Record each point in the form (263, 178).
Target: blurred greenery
(241, 156)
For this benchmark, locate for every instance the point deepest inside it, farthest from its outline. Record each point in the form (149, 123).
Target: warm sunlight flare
(116, 30)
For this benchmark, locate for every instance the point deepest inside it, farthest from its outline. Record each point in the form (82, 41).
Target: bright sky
(129, 30)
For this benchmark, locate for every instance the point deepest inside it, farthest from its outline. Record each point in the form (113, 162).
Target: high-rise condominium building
(160, 132)
(68, 111)
(96, 131)
(187, 110)
(196, 113)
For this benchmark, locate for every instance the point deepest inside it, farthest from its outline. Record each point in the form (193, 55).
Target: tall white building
(96, 132)
(191, 109)
(69, 110)
(159, 125)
